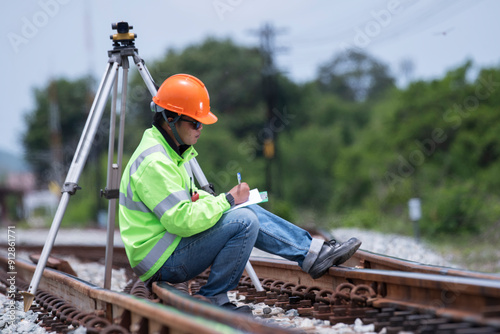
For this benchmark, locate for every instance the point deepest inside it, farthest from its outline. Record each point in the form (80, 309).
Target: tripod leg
(200, 177)
(253, 277)
(114, 176)
(144, 72)
(70, 185)
(114, 171)
(110, 185)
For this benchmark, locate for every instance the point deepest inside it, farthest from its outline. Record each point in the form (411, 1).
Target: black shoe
(333, 253)
(245, 309)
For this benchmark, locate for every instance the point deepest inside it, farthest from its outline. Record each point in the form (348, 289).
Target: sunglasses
(196, 124)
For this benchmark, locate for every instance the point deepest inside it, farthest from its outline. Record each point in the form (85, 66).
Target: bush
(454, 209)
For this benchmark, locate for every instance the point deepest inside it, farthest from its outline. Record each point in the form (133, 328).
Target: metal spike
(28, 300)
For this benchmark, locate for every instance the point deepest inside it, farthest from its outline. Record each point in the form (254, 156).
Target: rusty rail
(369, 260)
(459, 298)
(361, 259)
(88, 305)
(401, 288)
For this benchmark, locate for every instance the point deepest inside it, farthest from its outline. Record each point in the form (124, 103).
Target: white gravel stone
(79, 330)
(94, 273)
(24, 322)
(15, 320)
(65, 236)
(394, 245)
(290, 319)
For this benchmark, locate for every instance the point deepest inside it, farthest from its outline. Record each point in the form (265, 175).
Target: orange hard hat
(185, 94)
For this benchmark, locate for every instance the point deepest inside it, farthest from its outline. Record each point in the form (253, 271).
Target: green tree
(324, 126)
(355, 76)
(434, 140)
(55, 125)
(54, 128)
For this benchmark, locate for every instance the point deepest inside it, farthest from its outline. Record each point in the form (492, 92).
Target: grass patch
(478, 253)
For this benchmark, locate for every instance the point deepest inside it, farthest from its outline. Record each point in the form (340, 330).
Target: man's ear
(170, 119)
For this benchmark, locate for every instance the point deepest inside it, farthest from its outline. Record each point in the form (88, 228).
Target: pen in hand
(240, 191)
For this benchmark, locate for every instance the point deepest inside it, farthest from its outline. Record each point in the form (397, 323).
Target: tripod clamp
(110, 193)
(70, 188)
(209, 188)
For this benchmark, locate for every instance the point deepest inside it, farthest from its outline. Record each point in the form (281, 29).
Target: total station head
(123, 37)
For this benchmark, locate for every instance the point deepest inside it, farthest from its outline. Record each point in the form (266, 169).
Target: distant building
(43, 201)
(16, 180)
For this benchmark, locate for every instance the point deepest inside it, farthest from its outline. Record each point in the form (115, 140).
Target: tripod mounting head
(123, 38)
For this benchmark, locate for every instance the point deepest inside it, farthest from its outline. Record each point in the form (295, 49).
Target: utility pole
(55, 136)
(271, 92)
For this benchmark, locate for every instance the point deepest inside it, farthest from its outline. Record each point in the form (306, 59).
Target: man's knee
(244, 219)
(250, 218)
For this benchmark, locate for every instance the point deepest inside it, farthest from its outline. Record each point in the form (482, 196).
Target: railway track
(394, 294)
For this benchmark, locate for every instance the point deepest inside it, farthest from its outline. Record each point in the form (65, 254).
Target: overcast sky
(53, 38)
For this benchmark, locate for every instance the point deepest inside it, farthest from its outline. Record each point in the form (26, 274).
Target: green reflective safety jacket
(155, 209)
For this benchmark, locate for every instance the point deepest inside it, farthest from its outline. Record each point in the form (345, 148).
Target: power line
(420, 20)
(271, 93)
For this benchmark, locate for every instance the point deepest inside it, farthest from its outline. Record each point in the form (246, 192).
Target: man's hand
(240, 193)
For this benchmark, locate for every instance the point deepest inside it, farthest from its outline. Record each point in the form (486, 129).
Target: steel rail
(140, 315)
(460, 298)
(369, 260)
(171, 296)
(361, 259)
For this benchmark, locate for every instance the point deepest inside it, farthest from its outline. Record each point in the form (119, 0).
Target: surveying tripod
(123, 47)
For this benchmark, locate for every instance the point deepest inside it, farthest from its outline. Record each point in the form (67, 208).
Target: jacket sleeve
(161, 187)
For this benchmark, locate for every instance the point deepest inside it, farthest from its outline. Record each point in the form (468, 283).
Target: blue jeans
(227, 246)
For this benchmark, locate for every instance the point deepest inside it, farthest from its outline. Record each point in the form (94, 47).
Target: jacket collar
(177, 149)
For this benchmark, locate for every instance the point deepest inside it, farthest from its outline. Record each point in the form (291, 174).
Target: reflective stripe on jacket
(155, 209)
